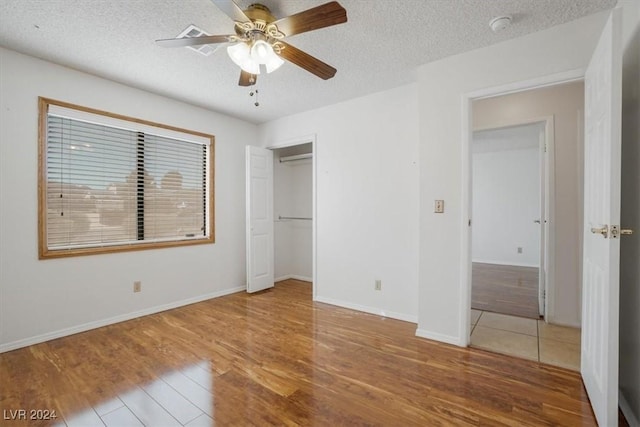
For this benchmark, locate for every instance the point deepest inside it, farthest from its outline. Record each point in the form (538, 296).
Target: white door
(259, 210)
(542, 222)
(601, 256)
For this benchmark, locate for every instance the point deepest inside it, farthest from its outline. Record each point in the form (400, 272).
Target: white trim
(552, 320)
(464, 308)
(366, 309)
(448, 339)
(306, 139)
(464, 286)
(294, 277)
(291, 142)
(626, 410)
(536, 83)
(515, 264)
(112, 320)
(129, 125)
(515, 123)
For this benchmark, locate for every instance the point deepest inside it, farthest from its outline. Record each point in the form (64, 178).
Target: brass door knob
(616, 231)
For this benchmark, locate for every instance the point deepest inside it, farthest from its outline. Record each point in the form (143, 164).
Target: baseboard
(632, 420)
(447, 339)
(293, 276)
(367, 309)
(112, 320)
(552, 320)
(515, 264)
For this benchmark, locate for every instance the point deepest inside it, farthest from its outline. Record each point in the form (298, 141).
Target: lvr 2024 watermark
(29, 414)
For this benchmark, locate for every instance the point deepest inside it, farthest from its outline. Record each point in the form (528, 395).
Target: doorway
(525, 241)
(281, 211)
(293, 212)
(508, 236)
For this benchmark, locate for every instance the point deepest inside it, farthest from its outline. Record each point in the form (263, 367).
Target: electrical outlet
(378, 286)
(519, 250)
(137, 286)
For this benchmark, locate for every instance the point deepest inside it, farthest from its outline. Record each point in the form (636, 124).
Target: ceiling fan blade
(231, 9)
(192, 41)
(306, 61)
(247, 79)
(322, 16)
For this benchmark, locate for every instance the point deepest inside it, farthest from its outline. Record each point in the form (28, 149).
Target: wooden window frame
(45, 253)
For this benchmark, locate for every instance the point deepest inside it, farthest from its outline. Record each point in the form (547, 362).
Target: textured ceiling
(378, 48)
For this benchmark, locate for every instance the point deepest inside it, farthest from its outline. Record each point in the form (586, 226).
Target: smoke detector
(500, 23)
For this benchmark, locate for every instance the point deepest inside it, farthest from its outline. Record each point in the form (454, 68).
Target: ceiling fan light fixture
(273, 63)
(250, 66)
(240, 54)
(261, 51)
(257, 41)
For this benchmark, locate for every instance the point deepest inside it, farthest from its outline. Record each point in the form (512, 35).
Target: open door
(542, 222)
(259, 223)
(601, 255)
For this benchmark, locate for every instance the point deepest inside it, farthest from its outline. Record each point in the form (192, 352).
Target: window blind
(110, 185)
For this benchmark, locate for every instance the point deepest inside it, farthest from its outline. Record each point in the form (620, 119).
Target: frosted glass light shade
(250, 58)
(273, 63)
(240, 54)
(261, 51)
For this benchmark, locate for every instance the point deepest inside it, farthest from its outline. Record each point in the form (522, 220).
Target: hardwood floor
(505, 289)
(277, 358)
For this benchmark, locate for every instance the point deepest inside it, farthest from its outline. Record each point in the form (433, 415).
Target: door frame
(465, 219)
(306, 139)
(547, 193)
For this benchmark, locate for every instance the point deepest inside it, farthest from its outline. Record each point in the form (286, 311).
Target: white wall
(506, 201)
(293, 191)
(566, 104)
(367, 198)
(43, 299)
(442, 85)
(629, 379)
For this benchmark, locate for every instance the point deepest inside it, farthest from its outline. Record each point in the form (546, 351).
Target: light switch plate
(439, 208)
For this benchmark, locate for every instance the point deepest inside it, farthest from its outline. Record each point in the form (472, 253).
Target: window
(112, 183)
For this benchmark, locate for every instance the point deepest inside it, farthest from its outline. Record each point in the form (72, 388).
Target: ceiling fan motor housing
(260, 12)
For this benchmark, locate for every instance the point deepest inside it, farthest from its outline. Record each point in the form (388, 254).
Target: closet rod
(294, 217)
(296, 157)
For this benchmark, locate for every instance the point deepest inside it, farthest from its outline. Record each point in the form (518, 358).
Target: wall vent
(193, 31)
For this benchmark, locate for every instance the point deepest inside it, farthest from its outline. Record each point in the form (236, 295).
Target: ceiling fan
(258, 39)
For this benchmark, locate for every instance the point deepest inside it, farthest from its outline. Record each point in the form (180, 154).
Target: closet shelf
(296, 157)
(294, 217)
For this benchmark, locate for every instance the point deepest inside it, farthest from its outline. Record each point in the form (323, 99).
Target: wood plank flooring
(277, 358)
(505, 289)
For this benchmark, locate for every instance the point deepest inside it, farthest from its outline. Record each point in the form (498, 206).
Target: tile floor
(527, 338)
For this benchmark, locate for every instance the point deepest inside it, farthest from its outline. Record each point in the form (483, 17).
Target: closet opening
(293, 212)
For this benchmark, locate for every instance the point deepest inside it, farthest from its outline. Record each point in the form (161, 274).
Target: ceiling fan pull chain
(255, 92)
